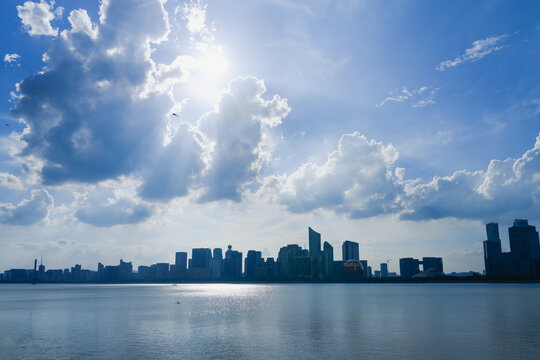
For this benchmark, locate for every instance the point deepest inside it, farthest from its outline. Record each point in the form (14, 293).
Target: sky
(134, 129)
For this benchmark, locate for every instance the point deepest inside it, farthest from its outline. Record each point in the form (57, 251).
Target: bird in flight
(175, 114)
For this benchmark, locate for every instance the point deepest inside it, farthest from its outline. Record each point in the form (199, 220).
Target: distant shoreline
(369, 281)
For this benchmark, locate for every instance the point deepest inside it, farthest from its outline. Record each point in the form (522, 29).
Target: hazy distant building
(126, 270)
(523, 260)
(218, 254)
(200, 258)
(253, 259)
(314, 242)
(350, 250)
(286, 260)
(408, 267)
(434, 264)
(328, 260)
(232, 264)
(384, 270)
(180, 264)
(367, 269)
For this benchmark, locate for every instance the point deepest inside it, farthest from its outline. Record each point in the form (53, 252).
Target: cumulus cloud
(11, 58)
(37, 17)
(416, 98)
(233, 137)
(86, 114)
(507, 187)
(359, 179)
(28, 211)
(10, 181)
(479, 49)
(109, 205)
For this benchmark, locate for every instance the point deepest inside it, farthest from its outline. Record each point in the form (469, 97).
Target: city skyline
(136, 129)
(314, 263)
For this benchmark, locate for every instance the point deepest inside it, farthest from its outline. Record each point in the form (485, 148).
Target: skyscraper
(200, 258)
(328, 260)
(408, 267)
(492, 251)
(180, 264)
(314, 242)
(384, 270)
(253, 259)
(350, 250)
(524, 239)
(218, 254)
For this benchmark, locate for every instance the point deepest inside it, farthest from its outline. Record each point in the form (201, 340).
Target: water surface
(260, 321)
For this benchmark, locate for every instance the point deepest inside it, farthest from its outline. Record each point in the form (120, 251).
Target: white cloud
(416, 98)
(81, 23)
(479, 49)
(358, 179)
(28, 211)
(37, 17)
(112, 203)
(234, 137)
(10, 181)
(11, 58)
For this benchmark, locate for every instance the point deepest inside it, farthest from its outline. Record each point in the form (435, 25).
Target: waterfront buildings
(293, 263)
(523, 260)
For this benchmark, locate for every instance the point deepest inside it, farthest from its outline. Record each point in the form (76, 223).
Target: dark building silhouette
(200, 258)
(366, 268)
(353, 270)
(350, 250)
(523, 260)
(314, 242)
(218, 254)
(384, 270)
(286, 261)
(434, 264)
(328, 260)
(232, 264)
(126, 270)
(408, 267)
(253, 259)
(180, 264)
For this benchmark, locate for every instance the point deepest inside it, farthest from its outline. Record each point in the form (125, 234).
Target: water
(303, 321)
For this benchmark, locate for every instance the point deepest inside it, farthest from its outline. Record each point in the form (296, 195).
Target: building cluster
(523, 260)
(292, 264)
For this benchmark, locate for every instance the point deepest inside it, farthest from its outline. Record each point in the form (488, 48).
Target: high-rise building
(314, 242)
(253, 259)
(180, 264)
(524, 239)
(350, 250)
(367, 269)
(218, 254)
(200, 258)
(126, 270)
(286, 261)
(408, 267)
(492, 232)
(328, 260)
(434, 264)
(232, 265)
(384, 270)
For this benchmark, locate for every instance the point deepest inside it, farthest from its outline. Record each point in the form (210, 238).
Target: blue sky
(136, 129)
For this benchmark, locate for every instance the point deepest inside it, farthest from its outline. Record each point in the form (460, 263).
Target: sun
(213, 66)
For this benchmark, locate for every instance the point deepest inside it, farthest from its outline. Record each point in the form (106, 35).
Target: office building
(350, 250)
(408, 267)
(384, 270)
(314, 242)
(328, 260)
(253, 259)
